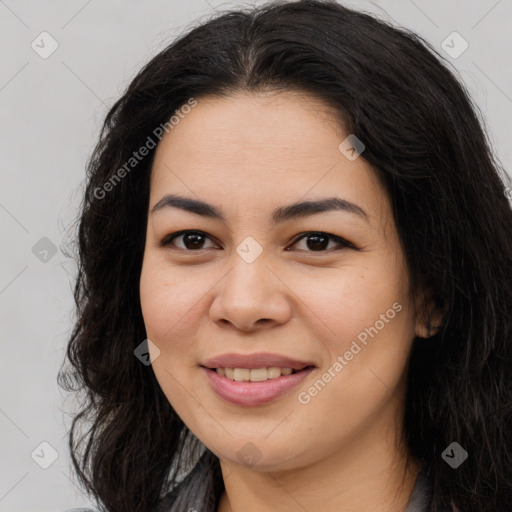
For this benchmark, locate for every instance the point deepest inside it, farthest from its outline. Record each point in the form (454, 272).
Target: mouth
(251, 380)
(236, 385)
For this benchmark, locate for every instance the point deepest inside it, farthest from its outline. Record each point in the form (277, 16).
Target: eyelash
(345, 244)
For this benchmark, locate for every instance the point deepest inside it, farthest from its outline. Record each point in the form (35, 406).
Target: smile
(237, 386)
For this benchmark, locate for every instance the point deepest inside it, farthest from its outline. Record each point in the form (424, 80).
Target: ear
(429, 316)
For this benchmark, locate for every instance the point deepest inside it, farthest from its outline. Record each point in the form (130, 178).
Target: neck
(377, 492)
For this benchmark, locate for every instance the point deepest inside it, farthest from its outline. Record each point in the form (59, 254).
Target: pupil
(194, 239)
(320, 242)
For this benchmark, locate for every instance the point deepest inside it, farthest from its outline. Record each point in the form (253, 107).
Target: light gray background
(51, 111)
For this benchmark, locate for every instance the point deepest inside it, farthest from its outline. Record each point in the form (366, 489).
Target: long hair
(448, 192)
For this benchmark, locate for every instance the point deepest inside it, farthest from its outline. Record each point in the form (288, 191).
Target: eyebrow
(279, 215)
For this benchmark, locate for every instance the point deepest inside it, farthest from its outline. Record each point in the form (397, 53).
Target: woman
(295, 278)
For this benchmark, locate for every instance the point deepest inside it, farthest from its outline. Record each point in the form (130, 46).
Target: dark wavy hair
(448, 193)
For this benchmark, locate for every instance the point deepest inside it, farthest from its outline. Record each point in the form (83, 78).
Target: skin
(248, 154)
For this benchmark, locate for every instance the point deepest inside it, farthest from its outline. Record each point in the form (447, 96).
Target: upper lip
(258, 360)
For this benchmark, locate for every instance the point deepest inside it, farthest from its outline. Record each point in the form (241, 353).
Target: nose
(251, 297)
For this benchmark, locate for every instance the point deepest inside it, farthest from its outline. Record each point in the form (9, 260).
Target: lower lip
(253, 393)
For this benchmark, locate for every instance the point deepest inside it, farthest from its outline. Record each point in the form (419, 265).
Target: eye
(192, 240)
(318, 241)
(315, 241)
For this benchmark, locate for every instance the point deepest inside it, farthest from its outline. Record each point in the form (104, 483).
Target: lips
(248, 393)
(252, 361)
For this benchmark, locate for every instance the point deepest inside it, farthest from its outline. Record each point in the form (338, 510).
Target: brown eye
(191, 240)
(319, 242)
(316, 241)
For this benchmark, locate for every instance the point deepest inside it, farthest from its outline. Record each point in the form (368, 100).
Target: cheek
(373, 325)
(170, 318)
(344, 305)
(170, 305)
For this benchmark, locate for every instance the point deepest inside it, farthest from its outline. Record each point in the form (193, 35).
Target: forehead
(260, 148)
(250, 120)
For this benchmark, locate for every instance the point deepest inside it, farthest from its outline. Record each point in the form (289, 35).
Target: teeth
(258, 374)
(241, 374)
(254, 375)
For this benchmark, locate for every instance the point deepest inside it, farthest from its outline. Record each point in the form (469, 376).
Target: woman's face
(254, 284)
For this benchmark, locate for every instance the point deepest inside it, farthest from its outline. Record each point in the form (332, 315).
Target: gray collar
(421, 496)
